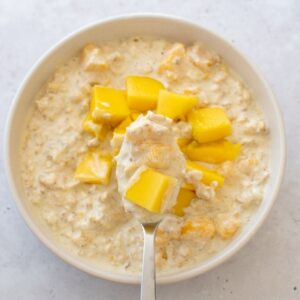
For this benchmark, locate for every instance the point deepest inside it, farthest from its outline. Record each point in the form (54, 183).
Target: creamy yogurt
(150, 142)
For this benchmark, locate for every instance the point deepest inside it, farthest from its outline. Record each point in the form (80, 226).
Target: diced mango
(98, 130)
(209, 124)
(134, 115)
(95, 167)
(150, 190)
(108, 106)
(215, 152)
(209, 176)
(202, 226)
(142, 92)
(181, 142)
(184, 199)
(121, 128)
(175, 106)
(188, 186)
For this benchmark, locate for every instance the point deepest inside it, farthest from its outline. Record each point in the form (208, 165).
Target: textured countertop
(268, 33)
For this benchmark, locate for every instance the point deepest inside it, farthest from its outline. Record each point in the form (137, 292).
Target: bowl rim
(125, 278)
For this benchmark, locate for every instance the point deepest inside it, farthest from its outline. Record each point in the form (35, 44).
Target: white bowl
(160, 26)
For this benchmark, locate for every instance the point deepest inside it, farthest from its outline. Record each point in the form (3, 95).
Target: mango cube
(202, 226)
(150, 190)
(175, 106)
(142, 92)
(181, 142)
(95, 167)
(215, 152)
(98, 130)
(184, 199)
(209, 176)
(134, 115)
(209, 124)
(188, 186)
(108, 106)
(121, 128)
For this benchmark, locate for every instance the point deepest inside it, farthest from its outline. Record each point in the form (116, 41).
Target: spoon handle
(148, 289)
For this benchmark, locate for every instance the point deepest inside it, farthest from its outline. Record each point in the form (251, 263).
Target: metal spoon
(148, 283)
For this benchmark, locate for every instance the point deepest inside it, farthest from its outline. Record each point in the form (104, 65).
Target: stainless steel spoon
(148, 283)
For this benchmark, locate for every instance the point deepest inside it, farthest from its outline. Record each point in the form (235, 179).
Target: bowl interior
(162, 27)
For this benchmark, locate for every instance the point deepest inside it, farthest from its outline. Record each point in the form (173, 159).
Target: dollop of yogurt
(150, 142)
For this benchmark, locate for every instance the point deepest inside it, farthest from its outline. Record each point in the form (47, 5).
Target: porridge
(150, 128)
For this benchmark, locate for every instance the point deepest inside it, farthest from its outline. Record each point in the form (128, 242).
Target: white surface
(268, 267)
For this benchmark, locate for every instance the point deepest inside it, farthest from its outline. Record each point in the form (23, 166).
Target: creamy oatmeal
(78, 167)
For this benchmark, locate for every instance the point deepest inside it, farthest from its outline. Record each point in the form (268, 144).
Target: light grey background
(267, 32)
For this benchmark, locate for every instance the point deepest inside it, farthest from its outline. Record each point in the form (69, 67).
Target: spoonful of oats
(150, 168)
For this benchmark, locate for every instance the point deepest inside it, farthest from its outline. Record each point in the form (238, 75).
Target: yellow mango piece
(209, 176)
(108, 106)
(134, 115)
(150, 190)
(175, 106)
(98, 130)
(188, 186)
(121, 128)
(181, 142)
(142, 92)
(215, 152)
(209, 124)
(184, 199)
(95, 167)
(202, 226)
